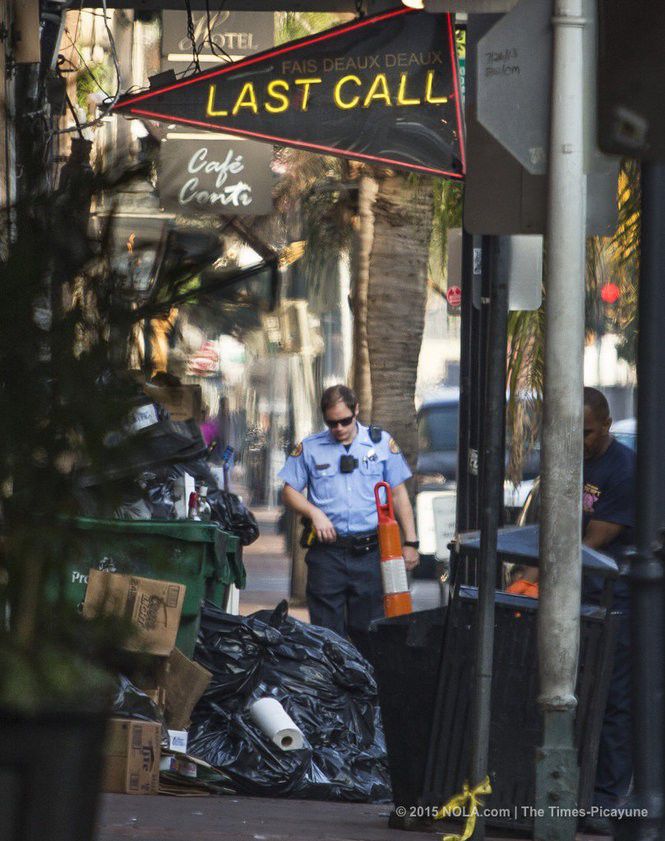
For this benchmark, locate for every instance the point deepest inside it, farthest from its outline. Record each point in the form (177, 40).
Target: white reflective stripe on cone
(393, 573)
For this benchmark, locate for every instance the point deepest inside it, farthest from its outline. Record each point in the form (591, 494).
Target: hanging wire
(215, 49)
(197, 50)
(109, 106)
(192, 35)
(70, 105)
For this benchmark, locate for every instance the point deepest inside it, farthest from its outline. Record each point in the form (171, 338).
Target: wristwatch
(415, 544)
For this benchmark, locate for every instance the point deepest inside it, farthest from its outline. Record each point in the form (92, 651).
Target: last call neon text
(348, 92)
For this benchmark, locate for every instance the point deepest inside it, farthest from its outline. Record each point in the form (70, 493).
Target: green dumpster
(201, 556)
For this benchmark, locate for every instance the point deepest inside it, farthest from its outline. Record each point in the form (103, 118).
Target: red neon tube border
(128, 103)
(332, 150)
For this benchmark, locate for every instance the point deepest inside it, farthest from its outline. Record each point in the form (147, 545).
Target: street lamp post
(557, 771)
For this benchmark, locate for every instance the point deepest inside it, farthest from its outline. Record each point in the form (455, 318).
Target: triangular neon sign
(383, 89)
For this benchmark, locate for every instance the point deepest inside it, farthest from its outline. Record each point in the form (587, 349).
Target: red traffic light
(610, 293)
(454, 296)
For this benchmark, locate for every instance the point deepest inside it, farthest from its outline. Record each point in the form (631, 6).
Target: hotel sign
(217, 36)
(383, 89)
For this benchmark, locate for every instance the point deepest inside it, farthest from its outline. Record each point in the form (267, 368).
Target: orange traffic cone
(396, 596)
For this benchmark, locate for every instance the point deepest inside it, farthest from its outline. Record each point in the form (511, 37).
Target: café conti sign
(212, 175)
(382, 88)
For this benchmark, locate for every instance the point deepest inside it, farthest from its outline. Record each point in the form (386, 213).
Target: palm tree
(361, 254)
(396, 296)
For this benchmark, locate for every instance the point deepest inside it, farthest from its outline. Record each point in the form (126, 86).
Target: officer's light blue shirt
(347, 499)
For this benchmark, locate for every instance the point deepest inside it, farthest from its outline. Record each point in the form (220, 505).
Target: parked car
(625, 431)
(436, 478)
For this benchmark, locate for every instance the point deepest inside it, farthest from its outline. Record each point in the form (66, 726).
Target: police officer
(339, 468)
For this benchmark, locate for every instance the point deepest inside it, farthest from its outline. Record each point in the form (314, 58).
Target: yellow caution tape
(465, 805)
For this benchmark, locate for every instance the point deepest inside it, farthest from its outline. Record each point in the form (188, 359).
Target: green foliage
(625, 250)
(64, 340)
(617, 260)
(524, 382)
(50, 678)
(293, 25)
(95, 78)
(448, 204)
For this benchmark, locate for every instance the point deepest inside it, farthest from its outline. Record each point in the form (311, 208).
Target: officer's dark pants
(344, 591)
(615, 765)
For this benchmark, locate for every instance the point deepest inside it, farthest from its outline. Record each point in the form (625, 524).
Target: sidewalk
(268, 568)
(235, 818)
(232, 818)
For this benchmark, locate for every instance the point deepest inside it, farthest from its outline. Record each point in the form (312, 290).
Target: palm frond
(524, 378)
(293, 25)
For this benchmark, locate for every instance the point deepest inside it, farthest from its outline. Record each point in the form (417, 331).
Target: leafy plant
(64, 340)
(95, 78)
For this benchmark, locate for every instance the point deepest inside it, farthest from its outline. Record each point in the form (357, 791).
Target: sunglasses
(331, 424)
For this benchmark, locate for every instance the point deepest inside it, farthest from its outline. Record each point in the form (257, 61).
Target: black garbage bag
(242, 520)
(323, 683)
(164, 442)
(227, 508)
(131, 702)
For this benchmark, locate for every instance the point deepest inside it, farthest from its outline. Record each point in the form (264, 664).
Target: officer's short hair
(336, 394)
(597, 402)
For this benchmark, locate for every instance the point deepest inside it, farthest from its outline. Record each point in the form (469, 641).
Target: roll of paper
(274, 721)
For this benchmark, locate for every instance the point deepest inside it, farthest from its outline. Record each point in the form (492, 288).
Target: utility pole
(30, 132)
(647, 596)
(7, 147)
(491, 502)
(557, 771)
(467, 461)
(123, 32)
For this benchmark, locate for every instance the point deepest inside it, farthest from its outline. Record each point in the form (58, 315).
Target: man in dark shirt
(608, 522)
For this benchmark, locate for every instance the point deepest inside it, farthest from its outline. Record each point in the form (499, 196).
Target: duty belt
(358, 542)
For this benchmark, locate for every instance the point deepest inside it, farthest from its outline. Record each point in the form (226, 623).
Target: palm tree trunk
(363, 241)
(396, 303)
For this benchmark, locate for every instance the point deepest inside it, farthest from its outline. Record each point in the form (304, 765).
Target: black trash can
(516, 721)
(406, 651)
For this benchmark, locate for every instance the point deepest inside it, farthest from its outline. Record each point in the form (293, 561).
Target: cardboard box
(184, 681)
(177, 741)
(131, 757)
(157, 696)
(178, 765)
(182, 402)
(153, 607)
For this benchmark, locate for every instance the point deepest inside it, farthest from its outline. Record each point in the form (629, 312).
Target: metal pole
(646, 569)
(476, 402)
(557, 772)
(466, 517)
(465, 386)
(491, 503)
